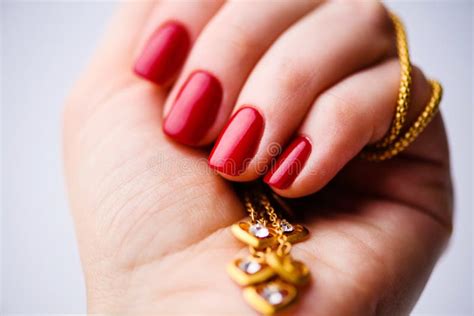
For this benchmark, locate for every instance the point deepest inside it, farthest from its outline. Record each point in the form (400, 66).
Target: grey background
(44, 47)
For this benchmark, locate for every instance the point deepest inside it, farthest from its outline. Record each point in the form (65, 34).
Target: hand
(152, 219)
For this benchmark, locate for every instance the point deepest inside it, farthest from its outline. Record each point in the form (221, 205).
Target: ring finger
(355, 112)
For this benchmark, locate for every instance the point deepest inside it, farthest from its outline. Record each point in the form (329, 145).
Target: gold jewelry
(405, 84)
(415, 130)
(270, 274)
(394, 143)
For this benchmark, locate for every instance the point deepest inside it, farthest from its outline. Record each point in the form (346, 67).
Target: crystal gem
(258, 230)
(273, 294)
(250, 266)
(287, 227)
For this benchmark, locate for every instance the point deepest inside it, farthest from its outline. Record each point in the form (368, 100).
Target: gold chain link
(250, 208)
(405, 85)
(270, 212)
(256, 254)
(420, 124)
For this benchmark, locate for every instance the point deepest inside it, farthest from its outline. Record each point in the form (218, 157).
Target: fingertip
(238, 144)
(164, 53)
(290, 164)
(195, 109)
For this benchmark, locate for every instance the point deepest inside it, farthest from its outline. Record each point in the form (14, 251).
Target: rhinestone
(258, 230)
(287, 227)
(273, 294)
(250, 266)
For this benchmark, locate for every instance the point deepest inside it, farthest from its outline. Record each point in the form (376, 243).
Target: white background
(44, 47)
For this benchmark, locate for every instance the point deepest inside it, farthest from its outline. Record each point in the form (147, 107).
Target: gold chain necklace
(270, 275)
(399, 137)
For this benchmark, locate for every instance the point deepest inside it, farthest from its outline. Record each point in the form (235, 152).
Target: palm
(153, 221)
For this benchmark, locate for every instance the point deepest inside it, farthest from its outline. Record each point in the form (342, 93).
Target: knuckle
(242, 43)
(341, 108)
(349, 117)
(373, 19)
(375, 15)
(239, 40)
(292, 78)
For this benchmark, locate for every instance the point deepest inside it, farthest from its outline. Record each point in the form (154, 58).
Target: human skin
(152, 219)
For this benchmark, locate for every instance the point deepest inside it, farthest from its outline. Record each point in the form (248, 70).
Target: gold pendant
(270, 275)
(288, 269)
(249, 271)
(269, 298)
(255, 234)
(294, 233)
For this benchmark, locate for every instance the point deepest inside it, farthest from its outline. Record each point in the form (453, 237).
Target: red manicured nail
(238, 143)
(289, 164)
(195, 109)
(164, 54)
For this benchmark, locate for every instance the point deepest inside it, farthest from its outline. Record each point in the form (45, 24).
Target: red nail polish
(195, 109)
(238, 143)
(289, 164)
(164, 53)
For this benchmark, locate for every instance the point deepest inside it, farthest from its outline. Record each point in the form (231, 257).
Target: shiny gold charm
(249, 271)
(269, 298)
(294, 233)
(255, 234)
(288, 269)
(270, 274)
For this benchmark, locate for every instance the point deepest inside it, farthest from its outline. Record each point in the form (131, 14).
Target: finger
(167, 37)
(219, 64)
(353, 113)
(136, 24)
(292, 73)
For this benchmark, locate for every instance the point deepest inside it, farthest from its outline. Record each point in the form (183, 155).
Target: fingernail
(289, 164)
(195, 109)
(164, 53)
(238, 143)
